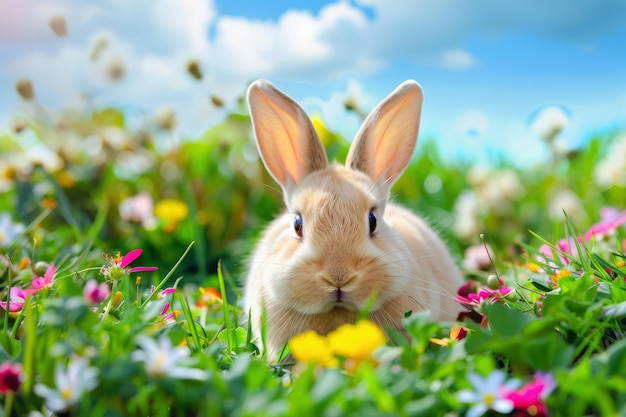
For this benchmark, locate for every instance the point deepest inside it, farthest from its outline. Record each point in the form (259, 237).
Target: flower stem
(105, 313)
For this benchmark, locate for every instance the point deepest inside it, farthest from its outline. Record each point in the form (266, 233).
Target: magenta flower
(40, 283)
(17, 299)
(95, 293)
(529, 399)
(168, 318)
(483, 295)
(163, 292)
(612, 219)
(10, 377)
(118, 267)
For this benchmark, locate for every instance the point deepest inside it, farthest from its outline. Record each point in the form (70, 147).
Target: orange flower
(209, 297)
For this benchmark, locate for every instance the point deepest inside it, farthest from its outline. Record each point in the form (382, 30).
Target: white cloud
(154, 39)
(458, 59)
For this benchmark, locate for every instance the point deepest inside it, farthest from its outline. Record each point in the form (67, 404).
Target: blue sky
(486, 66)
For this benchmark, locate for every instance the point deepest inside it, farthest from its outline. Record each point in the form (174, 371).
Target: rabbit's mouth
(342, 299)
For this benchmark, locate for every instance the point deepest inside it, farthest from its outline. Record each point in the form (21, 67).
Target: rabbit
(341, 246)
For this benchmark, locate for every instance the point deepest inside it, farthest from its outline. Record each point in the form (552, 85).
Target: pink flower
(168, 318)
(529, 399)
(10, 377)
(40, 283)
(483, 295)
(164, 292)
(567, 246)
(477, 257)
(95, 293)
(17, 299)
(118, 268)
(612, 219)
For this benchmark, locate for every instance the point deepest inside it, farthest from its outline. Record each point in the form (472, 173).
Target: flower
(172, 212)
(9, 230)
(95, 293)
(457, 332)
(530, 398)
(163, 360)
(478, 257)
(58, 25)
(139, 209)
(483, 295)
(611, 171)
(40, 283)
(164, 292)
(558, 274)
(117, 270)
(17, 299)
(568, 202)
(358, 341)
(209, 297)
(549, 122)
(24, 88)
(71, 384)
(486, 394)
(611, 221)
(311, 347)
(167, 317)
(10, 377)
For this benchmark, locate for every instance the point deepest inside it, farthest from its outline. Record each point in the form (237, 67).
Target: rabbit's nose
(339, 280)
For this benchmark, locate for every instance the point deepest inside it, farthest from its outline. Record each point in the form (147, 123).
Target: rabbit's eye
(372, 219)
(297, 225)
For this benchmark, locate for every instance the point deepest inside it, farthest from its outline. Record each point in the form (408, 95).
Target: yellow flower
(172, 211)
(311, 347)
(556, 277)
(357, 341)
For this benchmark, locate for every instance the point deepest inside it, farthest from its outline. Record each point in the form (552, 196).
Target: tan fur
(296, 279)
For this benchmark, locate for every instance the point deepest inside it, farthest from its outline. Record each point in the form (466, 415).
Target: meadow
(123, 250)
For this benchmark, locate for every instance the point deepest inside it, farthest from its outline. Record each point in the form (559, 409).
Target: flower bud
(24, 88)
(217, 101)
(493, 282)
(41, 267)
(117, 299)
(193, 68)
(58, 25)
(116, 70)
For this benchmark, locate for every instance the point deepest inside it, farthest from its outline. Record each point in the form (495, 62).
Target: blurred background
(126, 119)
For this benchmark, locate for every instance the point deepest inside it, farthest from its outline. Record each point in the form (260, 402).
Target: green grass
(563, 313)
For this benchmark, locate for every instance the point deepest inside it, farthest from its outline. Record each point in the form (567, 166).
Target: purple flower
(95, 293)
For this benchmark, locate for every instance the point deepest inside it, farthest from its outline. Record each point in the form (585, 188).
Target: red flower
(10, 377)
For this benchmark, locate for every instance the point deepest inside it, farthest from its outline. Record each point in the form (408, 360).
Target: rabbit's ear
(287, 141)
(385, 143)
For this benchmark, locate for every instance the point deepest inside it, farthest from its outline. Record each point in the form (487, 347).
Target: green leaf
(505, 321)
